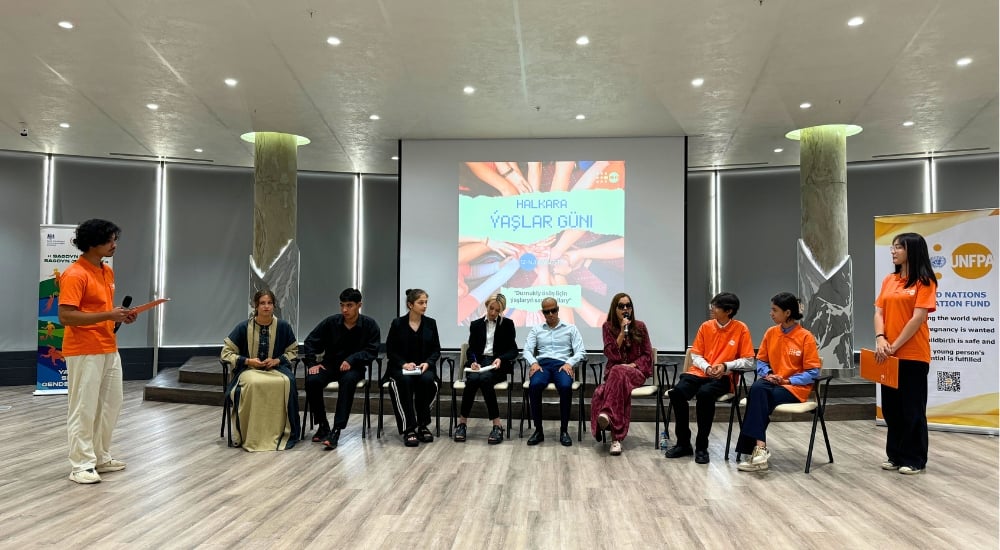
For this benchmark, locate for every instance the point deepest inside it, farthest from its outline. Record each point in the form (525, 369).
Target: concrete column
(825, 270)
(823, 179)
(274, 263)
(275, 191)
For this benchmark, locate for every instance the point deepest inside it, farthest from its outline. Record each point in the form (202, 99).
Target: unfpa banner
(962, 393)
(57, 253)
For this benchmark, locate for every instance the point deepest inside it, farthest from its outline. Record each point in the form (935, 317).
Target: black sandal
(410, 439)
(424, 435)
(460, 432)
(496, 436)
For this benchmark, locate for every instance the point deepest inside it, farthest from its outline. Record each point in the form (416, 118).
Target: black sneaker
(678, 451)
(701, 457)
(321, 433)
(460, 432)
(331, 440)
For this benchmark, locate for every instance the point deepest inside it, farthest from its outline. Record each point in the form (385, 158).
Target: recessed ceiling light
(582, 41)
(908, 123)
(333, 41)
(805, 105)
(66, 24)
(199, 150)
(395, 158)
(231, 82)
(581, 117)
(778, 150)
(855, 21)
(469, 90)
(152, 106)
(964, 61)
(374, 117)
(64, 125)
(697, 82)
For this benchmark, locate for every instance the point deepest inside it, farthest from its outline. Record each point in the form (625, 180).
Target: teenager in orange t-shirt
(722, 344)
(907, 296)
(787, 366)
(93, 366)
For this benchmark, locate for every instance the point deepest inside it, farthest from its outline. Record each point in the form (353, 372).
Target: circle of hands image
(530, 230)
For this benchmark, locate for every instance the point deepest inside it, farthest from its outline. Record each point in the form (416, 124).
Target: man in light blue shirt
(552, 349)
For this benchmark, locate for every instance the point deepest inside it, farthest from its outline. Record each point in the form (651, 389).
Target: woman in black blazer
(491, 344)
(412, 349)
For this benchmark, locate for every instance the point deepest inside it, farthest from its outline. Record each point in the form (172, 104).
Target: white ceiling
(408, 60)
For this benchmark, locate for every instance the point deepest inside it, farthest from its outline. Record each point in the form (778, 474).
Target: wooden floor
(184, 488)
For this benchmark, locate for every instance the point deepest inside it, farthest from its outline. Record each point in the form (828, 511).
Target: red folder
(885, 373)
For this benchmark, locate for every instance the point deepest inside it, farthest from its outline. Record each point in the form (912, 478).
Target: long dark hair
(918, 260)
(634, 333)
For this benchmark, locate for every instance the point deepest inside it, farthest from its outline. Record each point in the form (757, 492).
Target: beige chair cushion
(552, 386)
(336, 385)
(725, 397)
(644, 391)
(808, 406)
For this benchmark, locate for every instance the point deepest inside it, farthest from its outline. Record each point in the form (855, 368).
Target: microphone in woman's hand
(625, 326)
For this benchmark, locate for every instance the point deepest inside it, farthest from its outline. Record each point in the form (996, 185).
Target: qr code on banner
(949, 381)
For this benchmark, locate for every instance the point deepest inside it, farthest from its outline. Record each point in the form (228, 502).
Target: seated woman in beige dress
(262, 391)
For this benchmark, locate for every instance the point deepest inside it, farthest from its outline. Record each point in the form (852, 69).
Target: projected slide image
(534, 229)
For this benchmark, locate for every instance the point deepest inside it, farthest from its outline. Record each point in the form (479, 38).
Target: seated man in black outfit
(338, 350)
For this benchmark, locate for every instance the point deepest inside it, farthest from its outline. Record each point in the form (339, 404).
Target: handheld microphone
(125, 303)
(625, 327)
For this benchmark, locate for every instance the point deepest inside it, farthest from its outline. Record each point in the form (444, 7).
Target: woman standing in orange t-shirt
(901, 331)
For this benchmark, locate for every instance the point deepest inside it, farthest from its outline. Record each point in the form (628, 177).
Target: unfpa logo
(971, 260)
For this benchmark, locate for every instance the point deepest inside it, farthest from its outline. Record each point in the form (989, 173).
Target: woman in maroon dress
(630, 363)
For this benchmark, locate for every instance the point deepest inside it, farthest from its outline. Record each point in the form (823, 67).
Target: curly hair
(95, 232)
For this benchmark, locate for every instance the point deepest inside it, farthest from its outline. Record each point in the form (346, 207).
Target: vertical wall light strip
(358, 220)
(159, 258)
(715, 234)
(933, 189)
(927, 185)
(47, 197)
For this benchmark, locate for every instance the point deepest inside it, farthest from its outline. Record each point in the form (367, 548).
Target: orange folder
(149, 305)
(885, 373)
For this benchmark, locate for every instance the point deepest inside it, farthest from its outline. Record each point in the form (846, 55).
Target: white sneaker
(85, 477)
(910, 471)
(756, 462)
(111, 466)
(616, 448)
(890, 465)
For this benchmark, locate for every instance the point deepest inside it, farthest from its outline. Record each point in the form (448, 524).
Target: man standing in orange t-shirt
(94, 368)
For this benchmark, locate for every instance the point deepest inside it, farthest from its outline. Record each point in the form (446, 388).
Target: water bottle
(663, 440)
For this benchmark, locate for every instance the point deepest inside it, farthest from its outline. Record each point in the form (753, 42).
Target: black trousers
(412, 396)
(484, 382)
(905, 412)
(707, 390)
(316, 383)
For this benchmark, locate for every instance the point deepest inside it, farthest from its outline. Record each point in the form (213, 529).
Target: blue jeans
(764, 397)
(564, 385)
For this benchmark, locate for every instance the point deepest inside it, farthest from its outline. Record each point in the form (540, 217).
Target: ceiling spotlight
(152, 106)
(231, 82)
(581, 117)
(582, 41)
(333, 41)
(199, 150)
(374, 117)
(964, 61)
(778, 150)
(908, 123)
(66, 24)
(805, 105)
(855, 21)
(395, 157)
(469, 90)
(697, 82)
(64, 125)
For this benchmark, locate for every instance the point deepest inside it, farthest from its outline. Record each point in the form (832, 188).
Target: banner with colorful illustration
(57, 253)
(962, 392)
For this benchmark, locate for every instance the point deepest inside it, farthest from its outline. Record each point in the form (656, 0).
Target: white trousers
(95, 399)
